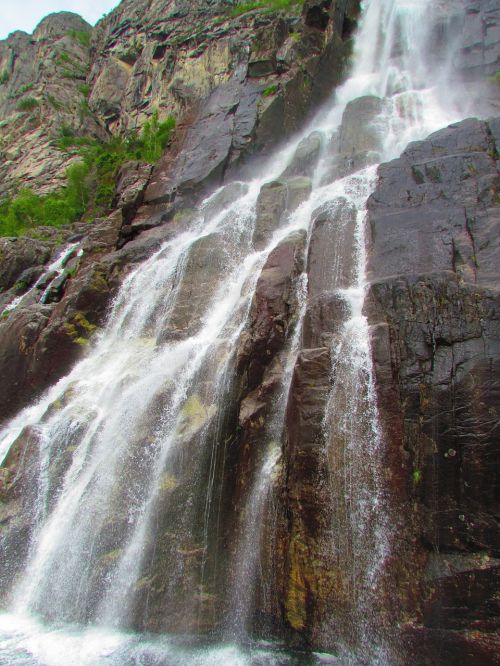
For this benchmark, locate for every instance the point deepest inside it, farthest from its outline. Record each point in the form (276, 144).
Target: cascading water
(126, 504)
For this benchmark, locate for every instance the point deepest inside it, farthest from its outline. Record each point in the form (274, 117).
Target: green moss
(81, 320)
(27, 104)
(83, 109)
(54, 103)
(83, 36)
(183, 215)
(63, 58)
(495, 78)
(99, 282)
(21, 285)
(84, 89)
(268, 6)
(79, 329)
(168, 482)
(244, 8)
(270, 90)
(4, 76)
(71, 74)
(26, 88)
(70, 329)
(108, 559)
(417, 476)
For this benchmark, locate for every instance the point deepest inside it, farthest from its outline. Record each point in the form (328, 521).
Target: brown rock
(434, 309)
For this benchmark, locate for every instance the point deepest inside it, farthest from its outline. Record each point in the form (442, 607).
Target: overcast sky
(26, 14)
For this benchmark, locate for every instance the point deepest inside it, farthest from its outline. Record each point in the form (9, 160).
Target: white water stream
(115, 437)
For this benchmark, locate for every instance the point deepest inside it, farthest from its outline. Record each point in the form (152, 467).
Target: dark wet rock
(18, 255)
(306, 157)
(358, 141)
(358, 131)
(271, 205)
(330, 266)
(206, 257)
(131, 184)
(331, 262)
(298, 190)
(55, 289)
(434, 311)
(441, 197)
(39, 343)
(276, 199)
(307, 579)
(272, 308)
(258, 68)
(316, 14)
(323, 319)
(481, 37)
(223, 199)
(223, 126)
(18, 336)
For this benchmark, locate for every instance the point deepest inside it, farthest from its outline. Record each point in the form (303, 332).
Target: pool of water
(27, 642)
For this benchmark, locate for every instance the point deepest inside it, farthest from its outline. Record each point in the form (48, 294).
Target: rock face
(236, 84)
(42, 89)
(433, 307)
(233, 84)
(239, 84)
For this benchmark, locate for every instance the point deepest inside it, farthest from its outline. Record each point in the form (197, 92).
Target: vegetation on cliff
(270, 5)
(90, 182)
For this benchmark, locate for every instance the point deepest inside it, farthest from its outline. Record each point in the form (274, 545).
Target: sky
(26, 14)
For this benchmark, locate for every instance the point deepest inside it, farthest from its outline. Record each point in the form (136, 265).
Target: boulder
(359, 139)
(276, 199)
(305, 157)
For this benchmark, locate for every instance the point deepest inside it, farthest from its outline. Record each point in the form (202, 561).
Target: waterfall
(128, 493)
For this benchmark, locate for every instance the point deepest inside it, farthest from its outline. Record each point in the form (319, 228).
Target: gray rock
(306, 157)
(271, 205)
(19, 255)
(434, 311)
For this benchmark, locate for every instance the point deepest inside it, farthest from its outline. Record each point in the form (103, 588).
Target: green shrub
(63, 58)
(153, 139)
(82, 36)
(27, 104)
(4, 76)
(26, 88)
(74, 74)
(83, 109)
(270, 90)
(84, 89)
(54, 102)
(243, 9)
(266, 5)
(90, 183)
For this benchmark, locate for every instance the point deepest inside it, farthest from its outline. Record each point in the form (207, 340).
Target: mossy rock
(194, 416)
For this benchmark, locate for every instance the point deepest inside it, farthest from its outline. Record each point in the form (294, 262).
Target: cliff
(322, 466)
